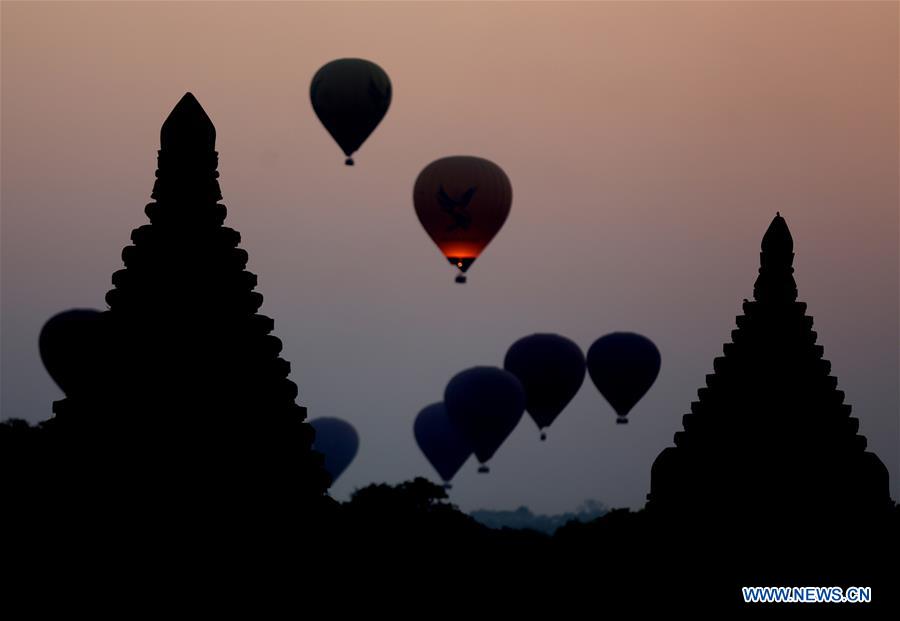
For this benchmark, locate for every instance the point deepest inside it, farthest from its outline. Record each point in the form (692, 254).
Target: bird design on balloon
(457, 208)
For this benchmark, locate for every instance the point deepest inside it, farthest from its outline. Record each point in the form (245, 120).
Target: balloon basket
(461, 279)
(543, 437)
(447, 486)
(622, 420)
(348, 161)
(483, 469)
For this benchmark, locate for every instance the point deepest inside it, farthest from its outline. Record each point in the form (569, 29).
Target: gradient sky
(649, 145)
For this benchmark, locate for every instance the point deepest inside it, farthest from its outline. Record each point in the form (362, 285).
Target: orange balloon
(462, 201)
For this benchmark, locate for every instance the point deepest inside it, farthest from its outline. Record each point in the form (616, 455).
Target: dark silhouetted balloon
(551, 368)
(485, 404)
(445, 447)
(623, 366)
(462, 202)
(71, 345)
(338, 441)
(350, 96)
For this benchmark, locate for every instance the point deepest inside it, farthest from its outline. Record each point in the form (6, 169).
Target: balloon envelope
(485, 404)
(445, 447)
(350, 96)
(623, 366)
(71, 344)
(462, 201)
(551, 369)
(338, 441)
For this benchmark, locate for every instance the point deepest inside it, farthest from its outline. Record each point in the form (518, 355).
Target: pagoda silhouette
(770, 439)
(190, 407)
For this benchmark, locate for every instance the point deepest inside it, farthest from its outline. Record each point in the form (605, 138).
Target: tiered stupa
(770, 434)
(191, 399)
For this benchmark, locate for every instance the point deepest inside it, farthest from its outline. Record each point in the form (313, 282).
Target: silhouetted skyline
(647, 146)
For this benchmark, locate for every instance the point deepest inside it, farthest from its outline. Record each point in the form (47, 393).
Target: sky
(649, 145)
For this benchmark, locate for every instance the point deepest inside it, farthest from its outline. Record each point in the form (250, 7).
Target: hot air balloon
(338, 441)
(71, 344)
(551, 368)
(443, 444)
(623, 366)
(462, 202)
(350, 96)
(485, 404)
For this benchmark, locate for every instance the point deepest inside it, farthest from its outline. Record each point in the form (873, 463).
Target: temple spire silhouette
(187, 128)
(770, 430)
(775, 284)
(194, 383)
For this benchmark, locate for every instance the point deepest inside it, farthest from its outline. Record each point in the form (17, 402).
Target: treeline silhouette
(181, 453)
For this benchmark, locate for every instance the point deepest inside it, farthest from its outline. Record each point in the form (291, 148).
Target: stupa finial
(778, 238)
(186, 172)
(188, 128)
(776, 280)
